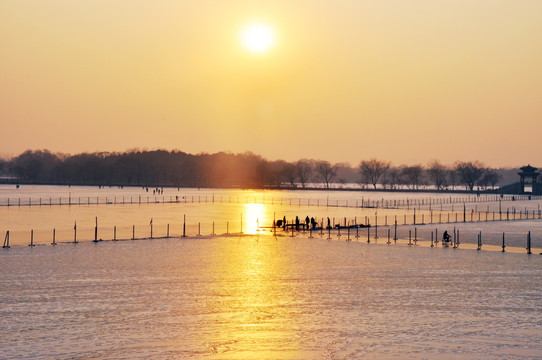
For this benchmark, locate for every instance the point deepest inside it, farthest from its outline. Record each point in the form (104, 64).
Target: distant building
(527, 184)
(528, 177)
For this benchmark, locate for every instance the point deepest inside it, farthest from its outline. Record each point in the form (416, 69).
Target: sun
(258, 37)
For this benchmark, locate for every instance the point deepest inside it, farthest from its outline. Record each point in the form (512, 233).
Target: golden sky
(403, 81)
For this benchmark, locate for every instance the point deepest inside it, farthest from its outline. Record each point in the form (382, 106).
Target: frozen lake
(261, 297)
(257, 296)
(127, 213)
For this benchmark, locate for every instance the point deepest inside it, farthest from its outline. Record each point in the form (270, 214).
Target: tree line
(244, 170)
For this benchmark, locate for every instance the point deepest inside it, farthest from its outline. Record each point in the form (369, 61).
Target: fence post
(184, 225)
(322, 227)
(54, 237)
(389, 242)
(6, 241)
(31, 238)
(96, 230)
(395, 234)
(503, 246)
(529, 243)
(357, 231)
(376, 226)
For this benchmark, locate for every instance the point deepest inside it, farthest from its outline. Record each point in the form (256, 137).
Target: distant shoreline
(282, 188)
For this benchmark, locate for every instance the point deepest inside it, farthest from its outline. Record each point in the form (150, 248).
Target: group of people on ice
(310, 223)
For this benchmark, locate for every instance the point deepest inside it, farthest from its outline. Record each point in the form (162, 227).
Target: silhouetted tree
(347, 173)
(275, 173)
(412, 176)
(371, 170)
(35, 166)
(225, 169)
(453, 178)
(489, 178)
(304, 170)
(289, 172)
(438, 174)
(326, 172)
(391, 178)
(469, 173)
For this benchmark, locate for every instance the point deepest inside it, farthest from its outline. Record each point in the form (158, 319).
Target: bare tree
(412, 176)
(391, 178)
(489, 178)
(438, 174)
(304, 171)
(371, 170)
(452, 178)
(289, 173)
(469, 173)
(326, 172)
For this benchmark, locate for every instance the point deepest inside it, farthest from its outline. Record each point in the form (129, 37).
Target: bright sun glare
(258, 37)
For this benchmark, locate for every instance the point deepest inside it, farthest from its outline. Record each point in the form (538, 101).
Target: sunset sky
(403, 81)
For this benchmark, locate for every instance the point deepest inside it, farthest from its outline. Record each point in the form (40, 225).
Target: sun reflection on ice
(254, 217)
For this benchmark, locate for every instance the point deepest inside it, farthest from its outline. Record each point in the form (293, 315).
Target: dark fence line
(428, 203)
(338, 227)
(368, 234)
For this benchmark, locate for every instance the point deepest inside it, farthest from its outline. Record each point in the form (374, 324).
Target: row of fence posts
(408, 203)
(434, 240)
(415, 218)
(434, 237)
(7, 237)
